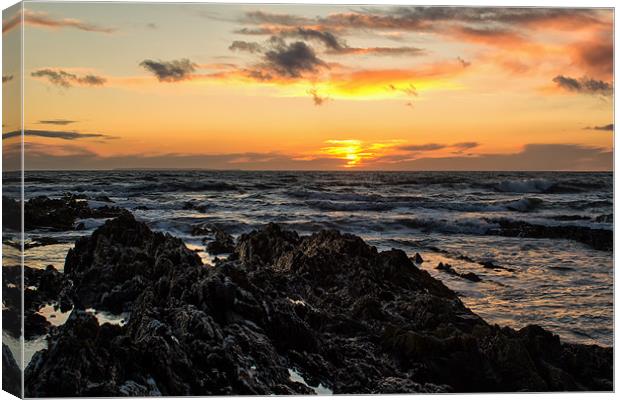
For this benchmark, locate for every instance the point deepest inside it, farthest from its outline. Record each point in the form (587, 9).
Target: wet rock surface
(326, 308)
(61, 214)
(447, 268)
(42, 286)
(599, 239)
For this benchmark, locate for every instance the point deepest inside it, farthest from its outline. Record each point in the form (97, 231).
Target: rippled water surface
(448, 217)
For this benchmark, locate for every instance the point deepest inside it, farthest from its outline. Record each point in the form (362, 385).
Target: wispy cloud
(67, 79)
(459, 147)
(316, 98)
(45, 20)
(56, 121)
(608, 127)
(65, 135)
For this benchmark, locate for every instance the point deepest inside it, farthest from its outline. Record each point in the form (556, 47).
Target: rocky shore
(283, 314)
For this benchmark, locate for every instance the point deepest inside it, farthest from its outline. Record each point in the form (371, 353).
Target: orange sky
(311, 87)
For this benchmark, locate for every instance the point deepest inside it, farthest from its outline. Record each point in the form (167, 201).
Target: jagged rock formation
(284, 314)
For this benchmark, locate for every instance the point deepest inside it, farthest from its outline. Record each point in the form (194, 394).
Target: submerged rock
(339, 314)
(599, 239)
(470, 276)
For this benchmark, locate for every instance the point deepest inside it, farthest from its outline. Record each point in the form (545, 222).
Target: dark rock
(103, 198)
(492, 265)
(121, 258)
(470, 276)
(194, 205)
(447, 268)
(11, 374)
(60, 214)
(599, 239)
(11, 213)
(41, 287)
(223, 242)
(418, 259)
(328, 307)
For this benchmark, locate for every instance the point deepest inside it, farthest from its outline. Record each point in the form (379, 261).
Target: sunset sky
(312, 87)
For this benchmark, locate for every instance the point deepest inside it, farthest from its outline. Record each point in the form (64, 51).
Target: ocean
(559, 283)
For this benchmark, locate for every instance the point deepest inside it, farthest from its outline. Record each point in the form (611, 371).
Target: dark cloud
(533, 157)
(47, 157)
(43, 19)
(466, 145)
(436, 146)
(423, 147)
(68, 79)
(56, 134)
(318, 100)
(56, 121)
(596, 56)
(170, 71)
(328, 39)
(429, 18)
(250, 47)
(7, 78)
(608, 127)
(292, 60)
(584, 85)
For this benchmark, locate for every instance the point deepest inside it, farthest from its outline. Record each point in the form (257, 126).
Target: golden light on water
(355, 152)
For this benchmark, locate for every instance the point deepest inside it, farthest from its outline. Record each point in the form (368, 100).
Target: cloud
(7, 78)
(260, 17)
(55, 157)
(466, 145)
(328, 39)
(56, 122)
(65, 135)
(258, 31)
(170, 71)
(533, 157)
(596, 57)
(409, 90)
(608, 127)
(318, 100)
(584, 85)
(436, 146)
(423, 147)
(291, 60)
(67, 79)
(380, 51)
(435, 18)
(464, 63)
(355, 154)
(250, 47)
(44, 20)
